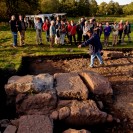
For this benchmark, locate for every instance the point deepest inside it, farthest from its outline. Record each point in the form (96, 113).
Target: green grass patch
(11, 58)
(107, 18)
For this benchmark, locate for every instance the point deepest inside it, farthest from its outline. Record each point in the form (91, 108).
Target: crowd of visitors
(58, 30)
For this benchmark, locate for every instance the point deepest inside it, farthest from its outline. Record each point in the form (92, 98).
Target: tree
(21, 6)
(128, 9)
(102, 9)
(3, 10)
(93, 7)
(75, 8)
(83, 8)
(111, 8)
(28, 7)
(71, 7)
(49, 6)
(117, 9)
(11, 6)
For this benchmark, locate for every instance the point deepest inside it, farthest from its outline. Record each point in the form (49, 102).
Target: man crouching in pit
(95, 47)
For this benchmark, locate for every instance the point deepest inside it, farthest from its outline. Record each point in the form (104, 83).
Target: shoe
(102, 64)
(123, 43)
(101, 53)
(14, 46)
(91, 66)
(51, 46)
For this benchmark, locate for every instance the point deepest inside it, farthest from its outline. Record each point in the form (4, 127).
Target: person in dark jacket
(14, 30)
(98, 29)
(79, 32)
(95, 47)
(22, 28)
(127, 31)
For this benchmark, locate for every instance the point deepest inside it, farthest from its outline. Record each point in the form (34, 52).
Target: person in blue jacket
(107, 31)
(95, 47)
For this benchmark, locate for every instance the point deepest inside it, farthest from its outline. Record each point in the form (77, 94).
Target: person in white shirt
(85, 29)
(38, 27)
(52, 32)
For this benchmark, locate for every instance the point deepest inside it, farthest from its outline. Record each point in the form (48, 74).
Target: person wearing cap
(95, 47)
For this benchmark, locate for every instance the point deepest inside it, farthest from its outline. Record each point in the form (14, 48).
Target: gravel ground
(118, 71)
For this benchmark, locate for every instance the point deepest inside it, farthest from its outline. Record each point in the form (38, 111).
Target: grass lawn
(11, 58)
(107, 18)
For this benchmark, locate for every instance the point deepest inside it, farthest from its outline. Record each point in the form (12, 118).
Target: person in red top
(45, 28)
(71, 28)
(68, 29)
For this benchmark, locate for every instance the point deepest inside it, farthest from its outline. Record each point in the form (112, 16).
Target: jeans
(106, 40)
(85, 37)
(47, 35)
(120, 35)
(129, 38)
(115, 39)
(38, 36)
(79, 37)
(98, 55)
(62, 38)
(14, 38)
(22, 37)
(70, 39)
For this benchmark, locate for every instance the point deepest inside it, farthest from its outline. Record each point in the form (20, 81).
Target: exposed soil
(118, 71)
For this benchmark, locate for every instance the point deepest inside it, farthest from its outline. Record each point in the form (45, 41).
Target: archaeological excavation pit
(75, 93)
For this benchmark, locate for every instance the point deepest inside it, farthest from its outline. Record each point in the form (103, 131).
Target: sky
(121, 2)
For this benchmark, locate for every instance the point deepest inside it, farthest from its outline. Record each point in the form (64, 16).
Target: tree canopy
(71, 7)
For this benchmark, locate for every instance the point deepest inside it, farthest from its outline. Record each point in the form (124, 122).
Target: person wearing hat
(95, 47)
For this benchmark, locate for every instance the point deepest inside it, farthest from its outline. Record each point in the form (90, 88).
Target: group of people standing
(56, 30)
(119, 31)
(84, 33)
